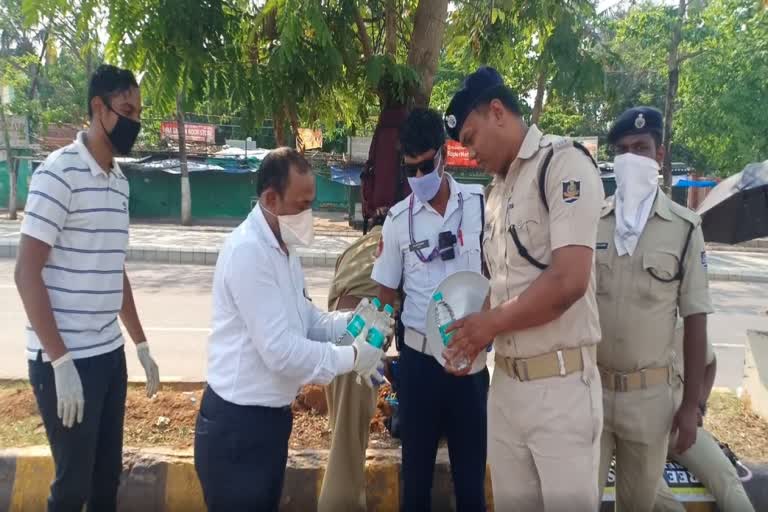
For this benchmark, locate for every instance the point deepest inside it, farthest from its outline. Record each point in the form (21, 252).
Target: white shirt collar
(453, 199)
(93, 165)
(259, 224)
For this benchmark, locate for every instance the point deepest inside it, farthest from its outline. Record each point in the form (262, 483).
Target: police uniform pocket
(604, 271)
(470, 252)
(662, 277)
(416, 271)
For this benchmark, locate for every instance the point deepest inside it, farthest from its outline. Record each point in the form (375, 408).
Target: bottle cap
(437, 297)
(389, 310)
(376, 302)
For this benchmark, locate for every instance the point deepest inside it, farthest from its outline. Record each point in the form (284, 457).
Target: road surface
(174, 303)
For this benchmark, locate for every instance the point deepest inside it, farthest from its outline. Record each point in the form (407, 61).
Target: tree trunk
(186, 194)
(12, 179)
(673, 80)
(541, 89)
(278, 125)
(290, 110)
(39, 66)
(426, 42)
(390, 28)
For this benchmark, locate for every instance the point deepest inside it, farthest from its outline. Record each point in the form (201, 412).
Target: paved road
(174, 302)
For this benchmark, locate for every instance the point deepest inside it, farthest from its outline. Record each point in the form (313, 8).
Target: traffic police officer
(651, 267)
(545, 408)
(705, 459)
(431, 234)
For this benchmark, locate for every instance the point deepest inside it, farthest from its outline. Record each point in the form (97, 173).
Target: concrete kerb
(156, 480)
(310, 258)
(189, 255)
(166, 481)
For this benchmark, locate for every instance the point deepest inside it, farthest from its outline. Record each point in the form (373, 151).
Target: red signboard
(195, 132)
(458, 155)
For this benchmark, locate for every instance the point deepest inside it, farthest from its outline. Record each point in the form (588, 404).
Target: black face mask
(123, 135)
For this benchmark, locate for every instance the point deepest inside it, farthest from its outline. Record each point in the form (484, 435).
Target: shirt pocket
(604, 271)
(469, 253)
(415, 271)
(660, 281)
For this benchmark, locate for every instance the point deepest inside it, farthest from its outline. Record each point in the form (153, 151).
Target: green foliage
(724, 94)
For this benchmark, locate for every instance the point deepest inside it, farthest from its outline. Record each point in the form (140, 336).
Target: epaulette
(684, 213)
(399, 208)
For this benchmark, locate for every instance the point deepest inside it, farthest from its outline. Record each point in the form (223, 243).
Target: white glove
(368, 363)
(70, 404)
(150, 368)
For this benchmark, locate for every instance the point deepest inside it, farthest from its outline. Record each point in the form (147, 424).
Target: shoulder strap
(545, 166)
(681, 270)
(483, 266)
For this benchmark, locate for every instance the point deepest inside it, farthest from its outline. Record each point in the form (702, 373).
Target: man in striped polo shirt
(71, 277)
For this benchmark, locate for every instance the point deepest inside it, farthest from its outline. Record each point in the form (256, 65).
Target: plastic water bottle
(362, 319)
(376, 332)
(445, 319)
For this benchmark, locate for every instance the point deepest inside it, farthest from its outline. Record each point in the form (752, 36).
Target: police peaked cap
(636, 121)
(482, 85)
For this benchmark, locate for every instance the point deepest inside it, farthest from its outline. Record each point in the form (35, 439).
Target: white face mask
(637, 181)
(296, 230)
(635, 175)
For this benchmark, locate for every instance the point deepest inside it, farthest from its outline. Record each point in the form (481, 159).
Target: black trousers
(434, 404)
(89, 456)
(240, 454)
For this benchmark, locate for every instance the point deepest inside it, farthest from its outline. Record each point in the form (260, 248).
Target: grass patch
(732, 420)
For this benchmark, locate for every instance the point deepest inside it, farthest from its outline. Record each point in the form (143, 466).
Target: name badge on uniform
(602, 245)
(417, 246)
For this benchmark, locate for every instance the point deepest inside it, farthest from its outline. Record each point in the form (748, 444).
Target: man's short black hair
(275, 169)
(107, 81)
(422, 131)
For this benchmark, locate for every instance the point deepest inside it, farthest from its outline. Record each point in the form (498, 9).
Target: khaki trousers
(636, 427)
(707, 462)
(350, 409)
(543, 442)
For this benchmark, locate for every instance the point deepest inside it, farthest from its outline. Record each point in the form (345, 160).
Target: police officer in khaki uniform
(351, 405)
(706, 460)
(545, 407)
(651, 268)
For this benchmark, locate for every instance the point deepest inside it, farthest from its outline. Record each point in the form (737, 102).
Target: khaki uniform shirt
(638, 312)
(575, 196)
(353, 269)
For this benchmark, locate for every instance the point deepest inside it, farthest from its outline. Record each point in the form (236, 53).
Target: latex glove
(70, 403)
(150, 368)
(368, 363)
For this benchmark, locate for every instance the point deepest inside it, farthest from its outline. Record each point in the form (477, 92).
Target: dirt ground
(168, 419)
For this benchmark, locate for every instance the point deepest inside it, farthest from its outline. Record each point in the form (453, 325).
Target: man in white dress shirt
(267, 341)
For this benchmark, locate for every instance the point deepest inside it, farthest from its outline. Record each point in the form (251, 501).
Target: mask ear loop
(109, 107)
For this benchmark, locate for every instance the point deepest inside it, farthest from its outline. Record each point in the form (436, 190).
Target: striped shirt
(82, 213)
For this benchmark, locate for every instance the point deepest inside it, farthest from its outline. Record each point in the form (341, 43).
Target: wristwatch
(703, 409)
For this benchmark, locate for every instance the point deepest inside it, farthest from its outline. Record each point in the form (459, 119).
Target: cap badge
(450, 121)
(639, 121)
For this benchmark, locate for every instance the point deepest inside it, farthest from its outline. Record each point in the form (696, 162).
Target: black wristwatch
(703, 409)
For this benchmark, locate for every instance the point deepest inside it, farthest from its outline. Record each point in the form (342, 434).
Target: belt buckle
(561, 362)
(521, 372)
(643, 381)
(620, 382)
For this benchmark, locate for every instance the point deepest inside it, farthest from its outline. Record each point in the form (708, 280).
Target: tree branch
(686, 56)
(362, 34)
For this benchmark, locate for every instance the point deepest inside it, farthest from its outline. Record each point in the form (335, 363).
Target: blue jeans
(240, 454)
(89, 456)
